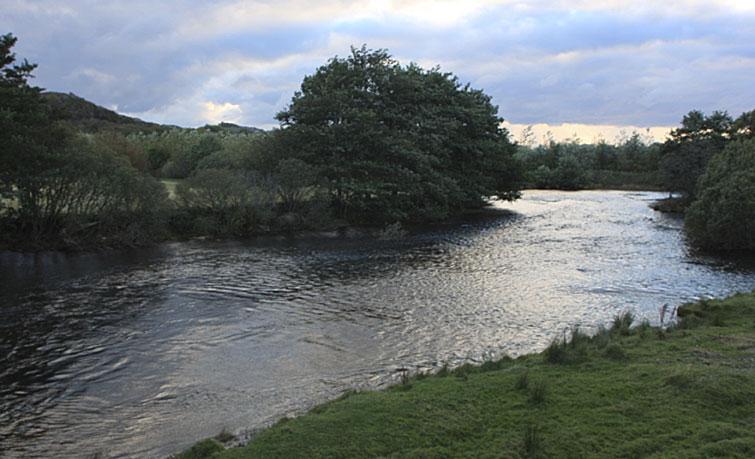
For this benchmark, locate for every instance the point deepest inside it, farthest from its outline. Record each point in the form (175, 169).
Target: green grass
(627, 392)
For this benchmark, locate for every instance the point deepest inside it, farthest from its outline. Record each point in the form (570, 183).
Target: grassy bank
(626, 392)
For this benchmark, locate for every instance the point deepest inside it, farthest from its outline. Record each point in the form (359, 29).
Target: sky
(587, 69)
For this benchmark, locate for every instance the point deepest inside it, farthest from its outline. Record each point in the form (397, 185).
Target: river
(141, 353)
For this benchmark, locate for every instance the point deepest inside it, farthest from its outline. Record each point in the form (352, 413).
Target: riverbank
(328, 229)
(670, 205)
(625, 392)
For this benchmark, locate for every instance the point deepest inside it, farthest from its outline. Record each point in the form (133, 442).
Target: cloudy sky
(590, 67)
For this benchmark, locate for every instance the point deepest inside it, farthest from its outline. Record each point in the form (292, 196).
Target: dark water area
(141, 353)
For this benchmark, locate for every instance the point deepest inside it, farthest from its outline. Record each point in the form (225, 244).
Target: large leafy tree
(23, 115)
(686, 154)
(397, 142)
(723, 216)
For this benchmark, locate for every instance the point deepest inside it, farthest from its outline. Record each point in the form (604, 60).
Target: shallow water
(139, 354)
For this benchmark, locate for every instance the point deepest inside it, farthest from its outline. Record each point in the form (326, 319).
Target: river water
(141, 353)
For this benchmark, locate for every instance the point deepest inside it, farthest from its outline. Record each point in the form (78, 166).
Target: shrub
(87, 192)
(222, 202)
(723, 217)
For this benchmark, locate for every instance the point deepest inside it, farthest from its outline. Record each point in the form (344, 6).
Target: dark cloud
(166, 60)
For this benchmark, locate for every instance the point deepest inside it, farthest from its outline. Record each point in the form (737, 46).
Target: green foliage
(397, 143)
(202, 450)
(531, 441)
(723, 216)
(294, 179)
(744, 126)
(686, 154)
(23, 117)
(87, 192)
(523, 381)
(571, 166)
(67, 187)
(614, 351)
(222, 202)
(538, 392)
(556, 352)
(622, 323)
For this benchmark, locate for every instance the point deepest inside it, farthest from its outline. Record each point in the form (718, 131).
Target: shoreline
(695, 376)
(337, 230)
(332, 230)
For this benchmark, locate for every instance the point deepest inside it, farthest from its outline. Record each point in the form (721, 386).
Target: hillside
(90, 117)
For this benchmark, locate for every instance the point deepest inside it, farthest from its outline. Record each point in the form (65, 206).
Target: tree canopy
(723, 216)
(686, 154)
(57, 184)
(394, 142)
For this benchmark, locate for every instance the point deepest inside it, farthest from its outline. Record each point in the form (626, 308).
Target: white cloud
(585, 133)
(215, 113)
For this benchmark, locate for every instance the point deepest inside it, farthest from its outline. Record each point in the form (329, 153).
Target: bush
(87, 192)
(723, 217)
(221, 202)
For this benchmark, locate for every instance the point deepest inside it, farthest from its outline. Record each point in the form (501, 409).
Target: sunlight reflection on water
(141, 353)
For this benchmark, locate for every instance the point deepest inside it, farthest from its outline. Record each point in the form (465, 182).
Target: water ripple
(139, 354)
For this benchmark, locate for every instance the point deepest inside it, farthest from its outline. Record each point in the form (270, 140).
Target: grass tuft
(622, 323)
(225, 436)
(202, 450)
(644, 328)
(522, 381)
(601, 338)
(564, 352)
(614, 351)
(538, 392)
(556, 352)
(531, 441)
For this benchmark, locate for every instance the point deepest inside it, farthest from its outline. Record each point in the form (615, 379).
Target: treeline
(570, 165)
(365, 141)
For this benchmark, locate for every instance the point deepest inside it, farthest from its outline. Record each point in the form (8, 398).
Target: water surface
(139, 354)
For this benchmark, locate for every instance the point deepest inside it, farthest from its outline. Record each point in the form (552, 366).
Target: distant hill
(90, 117)
(231, 128)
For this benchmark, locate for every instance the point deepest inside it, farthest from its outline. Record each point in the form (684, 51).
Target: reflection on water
(141, 353)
